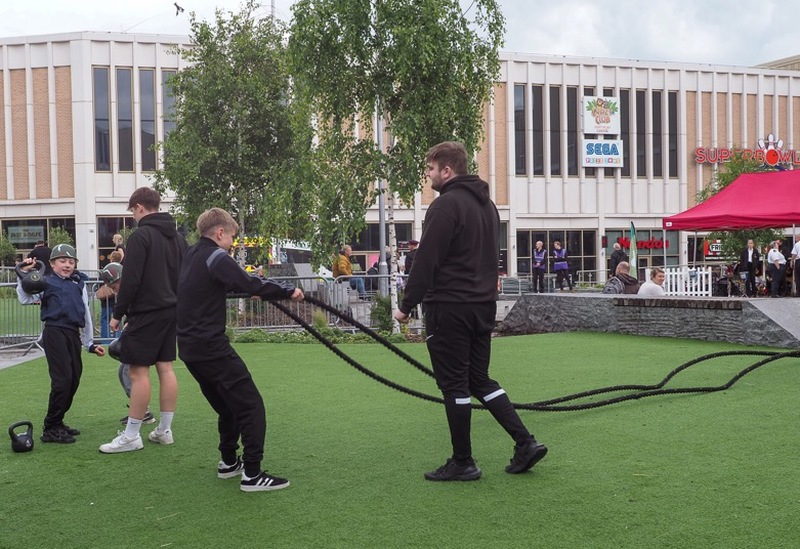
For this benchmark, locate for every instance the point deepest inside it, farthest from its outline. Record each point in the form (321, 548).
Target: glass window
(625, 130)
(102, 136)
(572, 131)
(107, 227)
(672, 113)
(24, 233)
(147, 118)
(589, 172)
(519, 129)
(538, 130)
(641, 157)
(555, 130)
(124, 120)
(658, 136)
(168, 101)
(609, 172)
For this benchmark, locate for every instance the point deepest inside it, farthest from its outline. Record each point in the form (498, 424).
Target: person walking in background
(655, 286)
(67, 322)
(561, 266)
(207, 275)
(617, 257)
(749, 263)
(777, 267)
(539, 267)
(41, 252)
(148, 298)
(455, 277)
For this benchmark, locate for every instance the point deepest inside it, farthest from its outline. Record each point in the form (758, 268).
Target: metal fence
(20, 325)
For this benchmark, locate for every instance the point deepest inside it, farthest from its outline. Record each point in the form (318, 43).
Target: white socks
(165, 422)
(132, 428)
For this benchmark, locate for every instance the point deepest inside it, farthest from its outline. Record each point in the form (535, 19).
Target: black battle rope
(544, 405)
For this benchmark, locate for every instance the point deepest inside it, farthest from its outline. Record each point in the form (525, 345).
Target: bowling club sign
(769, 152)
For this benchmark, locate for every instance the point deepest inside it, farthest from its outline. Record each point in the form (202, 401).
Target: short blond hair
(115, 257)
(211, 219)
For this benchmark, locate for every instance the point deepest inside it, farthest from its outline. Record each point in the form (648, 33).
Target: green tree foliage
(232, 146)
(8, 253)
(426, 65)
(733, 242)
(59, 235)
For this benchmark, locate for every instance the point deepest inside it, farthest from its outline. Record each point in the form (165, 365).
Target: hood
(474, 184)
(628, 280)
(161, 221)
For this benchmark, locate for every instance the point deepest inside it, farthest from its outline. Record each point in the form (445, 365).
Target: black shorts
(149, 338)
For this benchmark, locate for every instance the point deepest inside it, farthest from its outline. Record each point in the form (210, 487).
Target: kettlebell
(22, 442)
(115, 349)
(32, 281)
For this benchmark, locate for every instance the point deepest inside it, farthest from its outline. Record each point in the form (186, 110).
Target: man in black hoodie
(455, 277)
(148, 298)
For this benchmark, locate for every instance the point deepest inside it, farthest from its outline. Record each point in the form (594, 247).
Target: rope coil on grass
(550, 405)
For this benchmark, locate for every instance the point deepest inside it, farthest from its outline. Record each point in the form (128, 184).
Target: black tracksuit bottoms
(62, 348)
(459, 339)
(229, 388)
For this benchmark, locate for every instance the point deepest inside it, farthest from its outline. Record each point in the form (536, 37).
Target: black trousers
(229, 388)
(538, 281)
(778, 274)
(459, 338)
(62, 348)
(561, 276)
(750, 281)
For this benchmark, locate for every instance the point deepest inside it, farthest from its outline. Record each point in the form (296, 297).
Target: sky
(715, 32)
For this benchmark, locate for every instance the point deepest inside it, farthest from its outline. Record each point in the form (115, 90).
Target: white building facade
(80, 113)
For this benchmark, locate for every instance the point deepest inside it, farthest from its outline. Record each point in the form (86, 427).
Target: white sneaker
(161, 438)
(122, 444)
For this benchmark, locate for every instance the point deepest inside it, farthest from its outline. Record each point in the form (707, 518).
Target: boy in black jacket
(67, 324)
(208, 273)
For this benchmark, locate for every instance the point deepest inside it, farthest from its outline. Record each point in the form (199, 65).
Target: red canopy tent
(753, 201)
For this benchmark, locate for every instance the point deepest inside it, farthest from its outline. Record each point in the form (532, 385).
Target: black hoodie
(152, 263)
(458, 252)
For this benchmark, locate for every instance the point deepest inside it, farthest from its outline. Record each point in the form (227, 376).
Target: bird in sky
(178, 10)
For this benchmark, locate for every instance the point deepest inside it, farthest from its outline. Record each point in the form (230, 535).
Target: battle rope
(550, 405)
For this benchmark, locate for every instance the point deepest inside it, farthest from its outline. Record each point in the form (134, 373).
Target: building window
(102, 136)
(168, 101)
(572, 131)
(503, 245)
(651, 249)
(124, 120)
(672, 113)
(24, 233)
(519, 129)
(658, 136)
(581, 250)
(538, 130)
(641, 156)
(625, 130)
(609, 172)
(147, 119)
(366, 246)
(587, 91)
(555, 130)
(107, 227)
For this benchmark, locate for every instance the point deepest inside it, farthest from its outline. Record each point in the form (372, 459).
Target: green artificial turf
(711, 470)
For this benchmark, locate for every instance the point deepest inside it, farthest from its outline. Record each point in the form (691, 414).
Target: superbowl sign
(602, 154)
(601, 115)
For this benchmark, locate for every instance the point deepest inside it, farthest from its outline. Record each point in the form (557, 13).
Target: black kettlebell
(32, 281)
(22, 442)
(115, 349)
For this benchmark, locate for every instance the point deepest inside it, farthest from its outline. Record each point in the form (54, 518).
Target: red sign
(652, 244)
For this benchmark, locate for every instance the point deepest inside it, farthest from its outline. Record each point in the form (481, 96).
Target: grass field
(707, 471)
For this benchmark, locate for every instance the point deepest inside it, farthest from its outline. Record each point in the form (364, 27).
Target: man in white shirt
(795, 254)
(777, 267)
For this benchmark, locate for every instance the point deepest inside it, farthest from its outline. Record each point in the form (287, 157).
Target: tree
(425, 66)
(8, 253)
(59, 235)
(232, 146)
(733, 242)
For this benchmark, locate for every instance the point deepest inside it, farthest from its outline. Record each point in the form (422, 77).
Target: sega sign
(602, 153)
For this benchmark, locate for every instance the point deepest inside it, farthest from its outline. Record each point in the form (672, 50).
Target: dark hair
(146, 197)
(449, 153)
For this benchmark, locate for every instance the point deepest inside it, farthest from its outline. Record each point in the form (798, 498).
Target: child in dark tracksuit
(67, 324)
(207, 274)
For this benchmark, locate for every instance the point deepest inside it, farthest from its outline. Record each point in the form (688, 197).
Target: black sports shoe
(147, 420)
(453, 471)
(526, 456)
(70, 430)
(57, 434)
(262, 483)
(229, 471)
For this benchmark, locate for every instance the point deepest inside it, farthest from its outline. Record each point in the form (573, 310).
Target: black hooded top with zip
(152, 262)
(458, 254)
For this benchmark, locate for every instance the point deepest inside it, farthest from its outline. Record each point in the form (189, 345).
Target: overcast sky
(726, 32)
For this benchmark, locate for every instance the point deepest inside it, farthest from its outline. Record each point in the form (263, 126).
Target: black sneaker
(453, 471)
(147, 420)
(57, 434)
(70, 430)
(262, 483)
(229, 471)
(526, 456)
